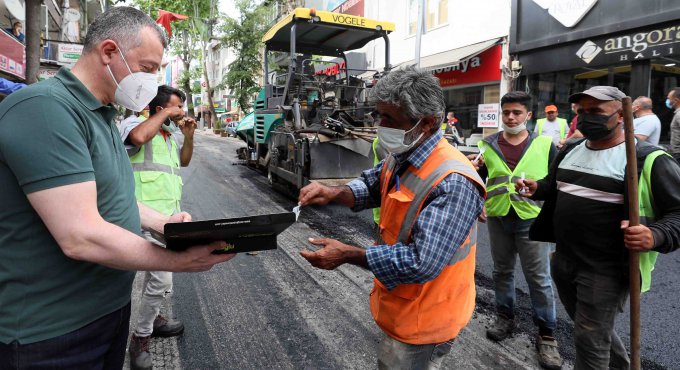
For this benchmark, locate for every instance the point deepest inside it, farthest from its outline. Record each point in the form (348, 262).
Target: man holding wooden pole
(586, 214)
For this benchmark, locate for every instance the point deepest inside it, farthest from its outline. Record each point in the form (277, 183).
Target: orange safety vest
(437, 310)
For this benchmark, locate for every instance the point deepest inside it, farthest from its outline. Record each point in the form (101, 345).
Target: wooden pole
(634, 219)
(32, 33)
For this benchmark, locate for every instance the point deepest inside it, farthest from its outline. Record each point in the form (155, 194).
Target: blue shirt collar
(417, 157)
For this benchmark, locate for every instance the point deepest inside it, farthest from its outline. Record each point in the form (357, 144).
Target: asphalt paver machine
(314, 125)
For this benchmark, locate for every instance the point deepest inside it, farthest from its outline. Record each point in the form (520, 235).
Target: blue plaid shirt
(442, 225)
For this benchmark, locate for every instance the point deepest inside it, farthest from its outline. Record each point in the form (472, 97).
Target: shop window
(464, 103)
(665, 75)
(436, 14)
(555, 88)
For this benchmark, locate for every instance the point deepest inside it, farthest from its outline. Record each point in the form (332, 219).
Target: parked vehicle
(231, 129)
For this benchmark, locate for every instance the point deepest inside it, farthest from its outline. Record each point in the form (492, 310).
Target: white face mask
(517, 129)
(392, 139)
(135, 90)
(169, 126)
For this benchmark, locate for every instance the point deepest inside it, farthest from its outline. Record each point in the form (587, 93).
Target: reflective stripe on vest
(148, 164)
(422, 187)
(465, 248)
(501, 194)
(647, 217)
(157, 182)
(500, 180)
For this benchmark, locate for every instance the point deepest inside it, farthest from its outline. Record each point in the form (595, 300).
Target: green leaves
(244, 37)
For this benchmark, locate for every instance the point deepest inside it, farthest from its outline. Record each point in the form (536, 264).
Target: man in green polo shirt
(69, 222)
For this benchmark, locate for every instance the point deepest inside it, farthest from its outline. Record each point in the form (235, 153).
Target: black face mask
(594, 126)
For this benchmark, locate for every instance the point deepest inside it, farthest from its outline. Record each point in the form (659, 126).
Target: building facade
(219, 58)
(463, 44)
(568, 46)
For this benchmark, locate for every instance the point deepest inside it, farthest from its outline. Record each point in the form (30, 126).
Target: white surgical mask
(392, 139)
(516, 129)
(135, 90)
(169, 126)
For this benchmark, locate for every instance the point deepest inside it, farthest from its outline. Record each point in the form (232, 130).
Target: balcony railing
(12, 57)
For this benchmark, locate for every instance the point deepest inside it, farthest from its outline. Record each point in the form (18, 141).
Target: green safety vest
(379, 153)
(500, 184)
(647, 217)
(156, 170)
(560, 121)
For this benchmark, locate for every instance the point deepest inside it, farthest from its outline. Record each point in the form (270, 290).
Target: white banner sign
(488, 115)
(69, 53)
(44, 73)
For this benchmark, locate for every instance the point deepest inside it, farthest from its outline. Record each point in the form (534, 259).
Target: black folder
(243, 234)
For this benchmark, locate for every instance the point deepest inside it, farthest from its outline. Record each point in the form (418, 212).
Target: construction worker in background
(156, 160)
(552, 125)
(508, 155)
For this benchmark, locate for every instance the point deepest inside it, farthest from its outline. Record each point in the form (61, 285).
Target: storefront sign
(353, 7)
(658, 41)
(220, 106)
(478, 69)
(576, 21)
(69, 53)
(45, 73)
(643, 45)
(488, 115)
(12, 56)
(567, 12)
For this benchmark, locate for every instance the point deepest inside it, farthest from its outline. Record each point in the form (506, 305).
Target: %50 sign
(488, 115)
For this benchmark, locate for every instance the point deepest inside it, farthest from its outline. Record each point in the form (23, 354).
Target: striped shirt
(442, 225)
(590, 187)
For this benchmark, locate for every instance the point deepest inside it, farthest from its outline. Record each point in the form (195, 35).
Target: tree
(32, 40)
(203, 29)
(244, 36)
(185, 41)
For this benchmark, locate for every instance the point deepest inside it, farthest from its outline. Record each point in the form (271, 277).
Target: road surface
(274, 311)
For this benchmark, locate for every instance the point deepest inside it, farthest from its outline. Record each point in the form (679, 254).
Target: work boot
(501, 328)
(548, 355)
(163, 327)
(140, 357)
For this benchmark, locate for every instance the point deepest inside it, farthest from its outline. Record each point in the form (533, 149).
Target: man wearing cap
(585, 215)
(552, 125)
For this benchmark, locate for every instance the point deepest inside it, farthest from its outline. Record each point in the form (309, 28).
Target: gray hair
(121, 24)
(415, 91)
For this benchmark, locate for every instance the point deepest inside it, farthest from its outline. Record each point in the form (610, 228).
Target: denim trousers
(396, 355)
(98, 345)
(509, 237)
(593, 300)
(157, 284)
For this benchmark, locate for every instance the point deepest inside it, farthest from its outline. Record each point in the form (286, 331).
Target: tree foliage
(244, 36)
(185, 41)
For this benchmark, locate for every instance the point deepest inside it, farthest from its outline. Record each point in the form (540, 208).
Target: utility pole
(32, 40)
(419, 29)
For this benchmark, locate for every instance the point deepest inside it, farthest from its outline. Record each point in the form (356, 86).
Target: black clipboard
(243, 234)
